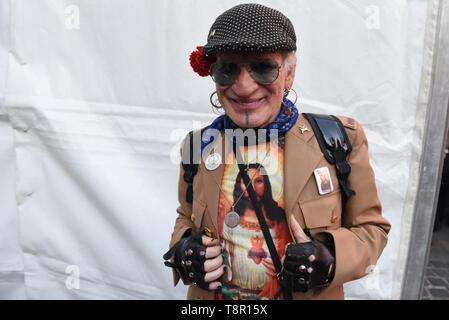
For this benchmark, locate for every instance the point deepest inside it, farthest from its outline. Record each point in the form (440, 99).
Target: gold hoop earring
(286, 93)
(214, 104)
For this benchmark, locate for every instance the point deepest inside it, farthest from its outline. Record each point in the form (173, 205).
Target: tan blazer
(358, 244)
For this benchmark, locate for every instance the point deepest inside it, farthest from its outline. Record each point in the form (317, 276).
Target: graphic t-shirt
(251, 273)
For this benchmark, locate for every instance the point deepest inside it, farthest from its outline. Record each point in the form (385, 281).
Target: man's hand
(300, 237)
(200, 260)
(307, 263)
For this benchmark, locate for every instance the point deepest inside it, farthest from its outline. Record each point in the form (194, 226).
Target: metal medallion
(232, 219)
(213, 161)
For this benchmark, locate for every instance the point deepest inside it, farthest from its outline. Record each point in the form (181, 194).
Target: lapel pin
(213, 161)
(350, 123)
(303, 129)
(323, 180)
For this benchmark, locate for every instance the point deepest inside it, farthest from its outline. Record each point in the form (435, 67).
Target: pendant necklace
(232, 218)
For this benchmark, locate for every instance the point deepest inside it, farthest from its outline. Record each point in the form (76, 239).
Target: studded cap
(250, 28)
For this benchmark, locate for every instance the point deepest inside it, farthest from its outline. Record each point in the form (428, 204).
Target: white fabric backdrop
(98, 94)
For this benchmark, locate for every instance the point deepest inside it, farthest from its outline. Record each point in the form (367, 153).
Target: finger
(212, 264)
(299, 235)
(269, 265)
(268, 260)
(214, 275)
(214, 285)
(212, 252)
(271, 274)
(208, 241)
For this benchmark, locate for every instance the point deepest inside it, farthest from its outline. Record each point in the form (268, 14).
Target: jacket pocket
(198, 209)
(323, 212)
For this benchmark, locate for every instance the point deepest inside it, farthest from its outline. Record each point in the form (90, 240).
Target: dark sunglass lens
(224, 73)
(264, 71)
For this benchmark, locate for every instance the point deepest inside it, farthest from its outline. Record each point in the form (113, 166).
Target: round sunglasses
(263, 71)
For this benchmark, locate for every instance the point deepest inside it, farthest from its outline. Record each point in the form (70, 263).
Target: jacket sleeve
(361, 240)
(183, 221)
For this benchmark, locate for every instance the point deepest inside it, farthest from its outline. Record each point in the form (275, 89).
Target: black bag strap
(336, 146)
(263, 224)
(191, 159)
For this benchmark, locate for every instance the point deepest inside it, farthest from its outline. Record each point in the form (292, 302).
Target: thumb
(299, 235)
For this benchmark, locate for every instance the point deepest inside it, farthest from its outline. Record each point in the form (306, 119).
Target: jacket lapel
(212, 180)
(300, 159)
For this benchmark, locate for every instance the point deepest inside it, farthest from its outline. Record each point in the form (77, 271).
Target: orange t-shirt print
(251, 273)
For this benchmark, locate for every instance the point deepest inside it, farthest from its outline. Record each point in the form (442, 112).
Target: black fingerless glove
(295, 274)
(190, 254)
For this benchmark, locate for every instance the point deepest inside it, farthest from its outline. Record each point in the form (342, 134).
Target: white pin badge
(213, 161)
(323, 180)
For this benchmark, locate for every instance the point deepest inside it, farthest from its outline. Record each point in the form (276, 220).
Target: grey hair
(289, 60)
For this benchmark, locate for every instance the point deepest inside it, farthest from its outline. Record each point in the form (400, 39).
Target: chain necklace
(232, 218)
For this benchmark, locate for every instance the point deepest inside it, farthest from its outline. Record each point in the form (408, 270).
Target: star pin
(303, 129)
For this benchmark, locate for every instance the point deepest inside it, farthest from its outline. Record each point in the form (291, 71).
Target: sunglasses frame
(248, 68)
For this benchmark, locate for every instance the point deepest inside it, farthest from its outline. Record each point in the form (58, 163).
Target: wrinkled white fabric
(98, 94)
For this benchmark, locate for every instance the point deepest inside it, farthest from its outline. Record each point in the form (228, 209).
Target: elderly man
(254, 222)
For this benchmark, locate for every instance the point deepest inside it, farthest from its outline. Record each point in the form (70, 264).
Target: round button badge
(213, 161)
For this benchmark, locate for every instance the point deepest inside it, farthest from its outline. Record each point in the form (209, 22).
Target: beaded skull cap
(250, 28)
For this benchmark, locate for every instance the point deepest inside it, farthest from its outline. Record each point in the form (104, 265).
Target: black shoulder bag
(191, 159)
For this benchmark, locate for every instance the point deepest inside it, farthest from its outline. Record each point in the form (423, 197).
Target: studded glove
(190, 255)
(307, 265)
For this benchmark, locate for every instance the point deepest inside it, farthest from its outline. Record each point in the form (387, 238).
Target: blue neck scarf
(283, 122)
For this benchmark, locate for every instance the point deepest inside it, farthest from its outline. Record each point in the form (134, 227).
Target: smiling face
(248, 103)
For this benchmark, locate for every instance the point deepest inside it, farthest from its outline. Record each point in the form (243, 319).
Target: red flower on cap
(200, 62)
